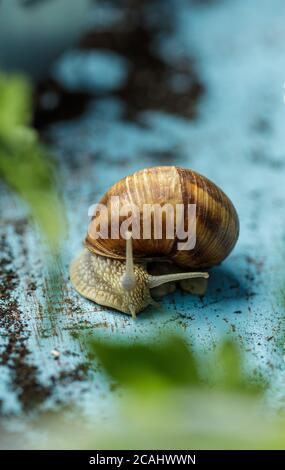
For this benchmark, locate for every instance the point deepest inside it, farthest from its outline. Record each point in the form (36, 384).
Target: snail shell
(217, 224)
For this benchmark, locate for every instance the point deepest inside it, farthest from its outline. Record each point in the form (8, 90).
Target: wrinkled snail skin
(98, 278)
(113, 272)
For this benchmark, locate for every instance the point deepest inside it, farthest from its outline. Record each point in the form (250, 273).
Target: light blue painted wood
(237, 140)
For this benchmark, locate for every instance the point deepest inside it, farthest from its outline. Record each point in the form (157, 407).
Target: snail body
(114, 271)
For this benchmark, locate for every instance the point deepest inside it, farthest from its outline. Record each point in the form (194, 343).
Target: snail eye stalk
(155, 281)
(128, 280)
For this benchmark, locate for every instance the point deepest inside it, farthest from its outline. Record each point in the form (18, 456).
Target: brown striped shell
(217, 224)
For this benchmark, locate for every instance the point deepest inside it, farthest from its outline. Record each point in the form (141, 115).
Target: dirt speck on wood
(14, 352)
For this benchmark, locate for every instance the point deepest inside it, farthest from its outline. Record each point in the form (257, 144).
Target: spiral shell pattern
(217, 224)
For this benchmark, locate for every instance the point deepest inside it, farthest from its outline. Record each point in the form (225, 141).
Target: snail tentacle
(155, 281)
(128, 279)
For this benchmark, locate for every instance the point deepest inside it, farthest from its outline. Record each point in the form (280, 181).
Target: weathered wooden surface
(222, 114)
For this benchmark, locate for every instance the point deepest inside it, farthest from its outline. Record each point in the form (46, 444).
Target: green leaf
(226, 372)
(24, 162)
(167, 362)
(15, 102)
(170, 363)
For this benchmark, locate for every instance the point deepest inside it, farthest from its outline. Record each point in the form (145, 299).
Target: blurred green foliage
(24, 162)
(171, 363)
(15, 103)
(167, 363)
(163, 401)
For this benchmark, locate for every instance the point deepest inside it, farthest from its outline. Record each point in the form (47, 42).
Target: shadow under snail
(125, 273)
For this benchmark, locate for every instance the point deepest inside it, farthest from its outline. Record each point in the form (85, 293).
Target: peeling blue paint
(237, 140)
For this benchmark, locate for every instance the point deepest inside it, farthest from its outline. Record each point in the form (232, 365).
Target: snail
(114, 271)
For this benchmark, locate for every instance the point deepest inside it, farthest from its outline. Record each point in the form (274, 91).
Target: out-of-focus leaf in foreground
(164, 403)
(24, 162)
(15, 103)
(171, 363)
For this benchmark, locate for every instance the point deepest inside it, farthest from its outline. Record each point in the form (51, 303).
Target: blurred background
(91, 91)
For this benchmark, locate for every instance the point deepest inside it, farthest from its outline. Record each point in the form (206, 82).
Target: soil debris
(153, 82)
(14, 353)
